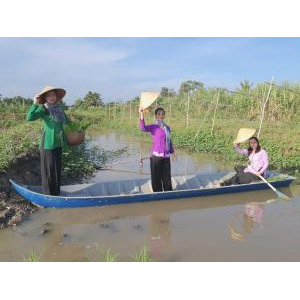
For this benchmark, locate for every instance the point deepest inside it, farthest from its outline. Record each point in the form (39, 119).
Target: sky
(121, 68)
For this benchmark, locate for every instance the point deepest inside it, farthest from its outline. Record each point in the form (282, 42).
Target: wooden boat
(139, 190)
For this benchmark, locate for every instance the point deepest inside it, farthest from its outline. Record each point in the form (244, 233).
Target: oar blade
(283, 196)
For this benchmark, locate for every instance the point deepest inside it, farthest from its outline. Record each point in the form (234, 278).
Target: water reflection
(252, 214)
(160, 233)
(230, 227)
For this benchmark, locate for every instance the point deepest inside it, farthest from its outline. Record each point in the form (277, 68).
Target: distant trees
(167, 92)
(90, 100)
(190, 86)
(135, 100)
(15, 101)
(246, 86)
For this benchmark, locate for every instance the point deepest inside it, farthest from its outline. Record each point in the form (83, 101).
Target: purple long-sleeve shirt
(259, 161)
(158, 139)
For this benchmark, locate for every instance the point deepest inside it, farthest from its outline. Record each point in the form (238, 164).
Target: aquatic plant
(77, 126)
(109, 256)
(143, 255)
(32, 257)
(83, 161)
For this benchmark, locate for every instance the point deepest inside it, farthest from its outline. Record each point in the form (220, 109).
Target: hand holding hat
(36, 99)
(146, 99)
(39, 98)
(243, 135)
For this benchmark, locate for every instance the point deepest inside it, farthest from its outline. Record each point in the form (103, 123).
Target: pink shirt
(259, 161)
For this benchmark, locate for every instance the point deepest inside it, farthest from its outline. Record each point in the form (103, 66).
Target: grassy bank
(22, 140)
(280, 139)
(18, 141)
(203, 119)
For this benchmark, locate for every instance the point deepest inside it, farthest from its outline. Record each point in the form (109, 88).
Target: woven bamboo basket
(75, 139)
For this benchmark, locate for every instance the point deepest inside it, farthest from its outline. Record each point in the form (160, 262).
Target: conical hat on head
(147, 98)
(60, 93)
(244, 134)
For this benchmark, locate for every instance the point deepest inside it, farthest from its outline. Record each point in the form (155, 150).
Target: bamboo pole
(187, 111)
(123, 112)
(115, 110)
(264, 107)
(206, 114)
(217, 102)
(169, 114)
(130, 113)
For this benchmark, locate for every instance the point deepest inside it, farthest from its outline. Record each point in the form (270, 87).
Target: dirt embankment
(13, 208)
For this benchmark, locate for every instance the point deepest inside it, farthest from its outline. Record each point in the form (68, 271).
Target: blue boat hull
(65, 202)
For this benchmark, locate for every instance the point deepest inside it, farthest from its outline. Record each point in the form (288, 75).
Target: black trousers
(51, 170)
(241, 177)
(160, 174)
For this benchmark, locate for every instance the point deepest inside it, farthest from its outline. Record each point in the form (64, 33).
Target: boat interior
(137, 186)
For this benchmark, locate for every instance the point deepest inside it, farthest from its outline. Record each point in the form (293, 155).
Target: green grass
(32, 257)
(282, 141)
(109, 256)
(18, 141)
(143, 255)
(23, 140)
(280, 134)
(83, 160)
(277, 178)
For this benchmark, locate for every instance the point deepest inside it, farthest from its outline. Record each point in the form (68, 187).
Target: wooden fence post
(264, 107)
(187, 111)
(130, 113)
(213, 124)
(170, 111)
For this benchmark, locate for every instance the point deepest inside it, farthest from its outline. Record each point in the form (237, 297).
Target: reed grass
(109, 256)
(142, 255)
(32, 257)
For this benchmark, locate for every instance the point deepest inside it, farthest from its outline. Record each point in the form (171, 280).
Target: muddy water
(216, 228)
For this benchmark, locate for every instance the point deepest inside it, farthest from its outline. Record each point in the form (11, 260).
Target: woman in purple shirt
(161, 151)
(259, 163)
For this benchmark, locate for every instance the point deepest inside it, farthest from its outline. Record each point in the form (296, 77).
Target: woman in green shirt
(47, 106)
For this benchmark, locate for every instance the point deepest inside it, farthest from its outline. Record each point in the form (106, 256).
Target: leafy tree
(135, 100)
(246, 86)
(190, 86)
(93, 100)
(166, 92)
(78, 103)
(90, 100)
(16, 101)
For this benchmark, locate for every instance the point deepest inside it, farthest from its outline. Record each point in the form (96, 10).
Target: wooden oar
(278, 193)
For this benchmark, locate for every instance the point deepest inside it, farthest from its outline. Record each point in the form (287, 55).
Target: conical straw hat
(60, 93)
(147, 98)
(244, 134)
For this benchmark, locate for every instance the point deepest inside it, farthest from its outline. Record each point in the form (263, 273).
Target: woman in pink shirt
(259, 163)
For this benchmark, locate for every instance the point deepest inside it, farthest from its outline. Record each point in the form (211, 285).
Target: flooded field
(214, 228)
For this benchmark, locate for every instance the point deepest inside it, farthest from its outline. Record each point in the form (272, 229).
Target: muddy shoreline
(26, 170)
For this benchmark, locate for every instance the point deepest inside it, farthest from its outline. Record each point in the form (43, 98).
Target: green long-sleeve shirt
(53, 130)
